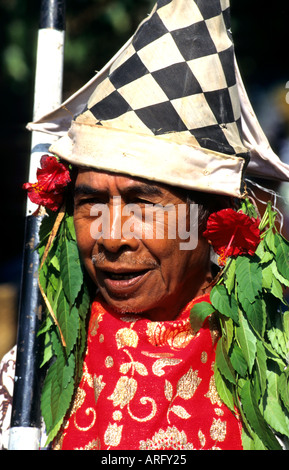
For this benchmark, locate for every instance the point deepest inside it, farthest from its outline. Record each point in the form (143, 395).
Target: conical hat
(167, 107)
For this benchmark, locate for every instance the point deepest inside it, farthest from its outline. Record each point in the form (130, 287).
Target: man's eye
(87, 201)
(141, 201)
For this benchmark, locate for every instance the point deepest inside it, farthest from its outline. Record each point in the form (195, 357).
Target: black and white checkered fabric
(177, 75)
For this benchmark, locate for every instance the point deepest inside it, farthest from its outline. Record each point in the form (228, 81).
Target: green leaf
(229, 276)
(273, 411)
(199, 313)
(251, 442)
(223, 362)
(255, 314)
(283, 388)
(224, 389)
(248, 208)
(70, 227)
(282, 256)
(249, 278)
(57, 393)
(276, 289)
(255, 418)
(83, 300)
(65, 370)
(247, 341)
(55, 262)
(224, 303)
(227, 332)
(54, 404)
(68, 322)
(238, 361)
(269, 241)
(261, 367)
(53, 282)
(53, 432)
(278, 276)
(267, 277)
(71, 269)
(285, 322)
(47, 350)
(46, 227)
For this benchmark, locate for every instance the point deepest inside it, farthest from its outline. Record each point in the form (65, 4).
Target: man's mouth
(122, 281)
(123, 276)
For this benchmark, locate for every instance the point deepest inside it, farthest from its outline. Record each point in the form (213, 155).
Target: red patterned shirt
(149, 385)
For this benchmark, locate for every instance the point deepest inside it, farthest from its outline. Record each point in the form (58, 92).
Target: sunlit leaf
(199, 313)
(273, 412)
(255, 314)
(225, 389)
(68, 322)
(282, 256)
(223, 362)
(249, 278)
(256, 420)
(71, 269)
(224, 303)
(247, 341)
(238, 361)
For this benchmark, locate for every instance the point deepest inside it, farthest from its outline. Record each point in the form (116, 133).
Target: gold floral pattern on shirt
(109, 362)
(90, 412)
(202, 438)
(177, 334)
(126, 337)
(133, 366)
(126, 388)
(112, 435)
(159, 364)
(212, 393)
(170, 438)
(186, 387)
(93, 445)
(78, 400)
(94, 324)
(98, 385)
(124, 391)
(188, 384)
(218, 430)
(87, 377)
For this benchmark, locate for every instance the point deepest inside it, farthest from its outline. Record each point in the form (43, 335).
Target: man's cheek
(85, 244)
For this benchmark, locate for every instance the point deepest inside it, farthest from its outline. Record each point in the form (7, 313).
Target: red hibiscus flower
(232, 234)
(53, 177)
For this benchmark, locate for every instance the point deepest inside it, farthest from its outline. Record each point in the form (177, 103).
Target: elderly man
(153, 376)
(159, 131)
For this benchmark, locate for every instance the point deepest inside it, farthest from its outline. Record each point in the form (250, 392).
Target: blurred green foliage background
(95, 30)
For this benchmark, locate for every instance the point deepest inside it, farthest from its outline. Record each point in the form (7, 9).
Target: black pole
(52, 14)
(26, 416)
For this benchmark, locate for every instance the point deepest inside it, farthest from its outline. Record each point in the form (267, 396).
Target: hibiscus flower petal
(52, 180)
(232, 233)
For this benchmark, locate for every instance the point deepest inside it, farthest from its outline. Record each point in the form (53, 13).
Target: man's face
(150, 275)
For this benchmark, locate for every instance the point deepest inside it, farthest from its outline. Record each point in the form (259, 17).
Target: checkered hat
(167, 106)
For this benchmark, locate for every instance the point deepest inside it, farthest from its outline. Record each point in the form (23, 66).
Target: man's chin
(124, 305)
(124, 309)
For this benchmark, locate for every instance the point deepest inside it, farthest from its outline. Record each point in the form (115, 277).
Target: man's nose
(115, 237)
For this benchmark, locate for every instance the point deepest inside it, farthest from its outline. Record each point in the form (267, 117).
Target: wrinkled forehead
(89, 180)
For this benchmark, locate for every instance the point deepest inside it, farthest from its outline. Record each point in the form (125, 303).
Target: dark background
(95, 30)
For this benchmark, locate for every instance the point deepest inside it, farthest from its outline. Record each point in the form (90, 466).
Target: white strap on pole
(48, 94)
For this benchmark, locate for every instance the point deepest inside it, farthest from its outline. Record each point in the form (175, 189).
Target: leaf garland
(251, 368)
(65, 289)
